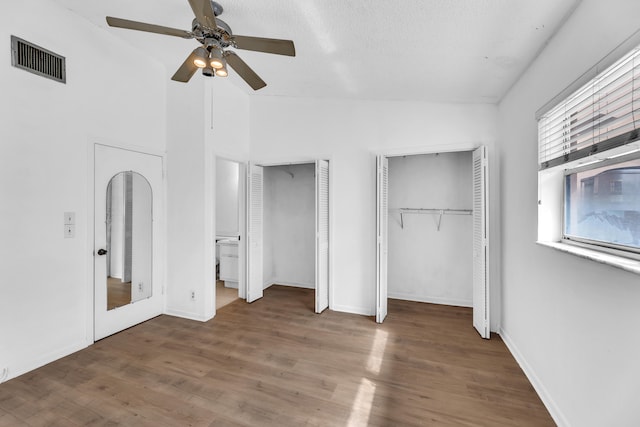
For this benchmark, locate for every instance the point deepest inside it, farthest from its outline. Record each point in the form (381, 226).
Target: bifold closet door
(382, 221)
(322, 235)
(255, 204)
(481, 243)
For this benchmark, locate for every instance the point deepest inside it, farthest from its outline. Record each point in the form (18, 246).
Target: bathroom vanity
(228, 253)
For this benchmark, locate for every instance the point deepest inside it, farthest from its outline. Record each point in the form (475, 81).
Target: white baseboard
(431, 300)
(288, 283)
(187, 315)
(294, 284)
(363, 311)
(542, 391)
(29, 365)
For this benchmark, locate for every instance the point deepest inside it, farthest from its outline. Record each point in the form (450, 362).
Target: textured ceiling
(468, 51)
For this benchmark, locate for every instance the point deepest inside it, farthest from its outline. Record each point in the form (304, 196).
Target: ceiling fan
(216, 37)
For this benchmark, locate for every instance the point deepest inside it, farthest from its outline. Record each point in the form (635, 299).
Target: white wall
(207, 118)
(114, 93)
(349, 133)
(227, 174)
(427, 264)
(573, 323)
(186, 196)
(289, 225)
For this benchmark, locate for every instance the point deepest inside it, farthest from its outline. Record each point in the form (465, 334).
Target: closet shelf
(430, 211)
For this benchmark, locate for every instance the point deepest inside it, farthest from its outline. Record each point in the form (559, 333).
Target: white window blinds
(602, 114)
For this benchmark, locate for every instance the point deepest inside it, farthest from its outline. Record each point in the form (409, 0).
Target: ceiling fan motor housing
(222, 35)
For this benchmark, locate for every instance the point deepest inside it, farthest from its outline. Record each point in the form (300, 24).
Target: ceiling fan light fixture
(222, 72)
(200, 60)
(208, 71)
(215, 58)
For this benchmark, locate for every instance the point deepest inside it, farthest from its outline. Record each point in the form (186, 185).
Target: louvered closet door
(480, 243)
(382, 236)
(322, 235)
(255, 230)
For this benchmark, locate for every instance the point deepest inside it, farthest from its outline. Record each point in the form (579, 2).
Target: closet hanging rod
(431, 211)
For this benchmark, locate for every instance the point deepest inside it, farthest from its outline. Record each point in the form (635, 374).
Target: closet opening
(288, 223)
(432, 231)
(229, 225)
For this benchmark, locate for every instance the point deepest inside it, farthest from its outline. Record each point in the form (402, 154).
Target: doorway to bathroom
(229, 234)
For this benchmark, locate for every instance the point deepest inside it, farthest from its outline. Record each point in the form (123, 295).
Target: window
(589, 160)
(602, 206)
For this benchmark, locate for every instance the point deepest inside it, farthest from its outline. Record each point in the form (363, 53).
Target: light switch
(69, 231)
(69, 218)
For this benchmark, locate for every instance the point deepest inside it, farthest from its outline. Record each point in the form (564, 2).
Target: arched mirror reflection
(129, 239)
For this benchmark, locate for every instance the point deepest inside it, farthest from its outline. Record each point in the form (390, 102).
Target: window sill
(626, 264)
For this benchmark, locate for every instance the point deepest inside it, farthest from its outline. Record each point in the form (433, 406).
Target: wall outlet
(193, 295)
(140, 287)
(69, 218)
(69, 231)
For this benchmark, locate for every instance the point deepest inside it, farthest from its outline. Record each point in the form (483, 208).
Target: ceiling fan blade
(149, 28)
(186, 70)
(204, 13)
(244, 71)
(260, 44)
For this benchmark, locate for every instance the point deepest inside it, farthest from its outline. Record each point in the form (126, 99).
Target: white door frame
(313, 160)
(242, 226)
(90, 258)
(445, 148)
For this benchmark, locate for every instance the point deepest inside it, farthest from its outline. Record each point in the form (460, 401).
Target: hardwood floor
(276, 363)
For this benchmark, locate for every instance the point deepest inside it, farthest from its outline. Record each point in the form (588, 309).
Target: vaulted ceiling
(468, 51)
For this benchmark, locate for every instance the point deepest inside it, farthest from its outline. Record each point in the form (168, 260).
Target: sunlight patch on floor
(361, 409)
(363, 403)
(377, 351)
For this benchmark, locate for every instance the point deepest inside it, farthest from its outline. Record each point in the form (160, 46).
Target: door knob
(102, 251)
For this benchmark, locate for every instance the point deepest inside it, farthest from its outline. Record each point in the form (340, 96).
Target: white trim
(627, 264)
(289, 284)
(362, 311)
(288, 161)
(428, 149)
(543, 393)
(209, 227)
(430, 300)
(332, 239)
(90, 286)
(188, 315)
(25, 366)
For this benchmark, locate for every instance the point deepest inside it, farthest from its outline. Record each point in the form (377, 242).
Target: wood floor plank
(276, 363)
